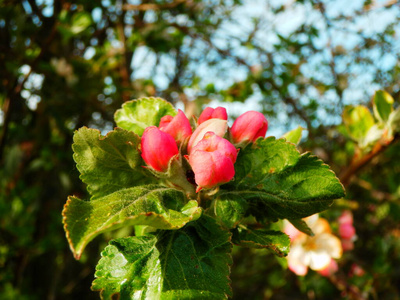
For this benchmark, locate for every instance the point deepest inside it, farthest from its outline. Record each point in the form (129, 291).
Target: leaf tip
(77, 254)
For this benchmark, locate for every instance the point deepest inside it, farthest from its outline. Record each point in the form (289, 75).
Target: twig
(152, 6)
(358, 163)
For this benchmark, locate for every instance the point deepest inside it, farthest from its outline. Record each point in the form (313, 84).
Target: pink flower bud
(217, 126)
(356, 270)
(346, 217)
(178, 127)
(347, 245)
(248, 127)
(346, 231)
(158, 148)
(212, 161)
(211, 113)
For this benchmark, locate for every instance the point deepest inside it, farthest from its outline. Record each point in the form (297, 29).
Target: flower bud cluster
(210, 150)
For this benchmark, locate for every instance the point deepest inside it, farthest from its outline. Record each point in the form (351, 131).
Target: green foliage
(301, 226)
(275, 181)
(294, 136)
(190, 263)
(383, 105)
(276, 241)
(71, 64)
(108, 164)
(358, 121)
(158, 206)
(136, 115)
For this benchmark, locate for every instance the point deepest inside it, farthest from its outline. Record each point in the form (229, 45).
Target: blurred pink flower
(331, 269)
(347, 232)
(315, 252)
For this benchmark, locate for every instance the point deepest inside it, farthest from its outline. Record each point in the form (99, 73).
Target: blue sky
(370, 23)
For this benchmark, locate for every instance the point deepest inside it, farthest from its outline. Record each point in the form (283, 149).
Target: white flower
(314, 252)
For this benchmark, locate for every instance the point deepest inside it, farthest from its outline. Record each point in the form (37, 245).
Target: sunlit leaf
(383, 105)
(358, 120)
(190, 263)
(156, 206)
(278, 182)
(136, 115)
(302, 226)
(276, 241)
(108, 164)
(294, 136)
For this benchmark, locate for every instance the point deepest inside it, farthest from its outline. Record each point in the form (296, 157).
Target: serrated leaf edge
(100, 138)
(270, 247)
(308, 154)
(126, 103)
(229, 265)
(77, 252)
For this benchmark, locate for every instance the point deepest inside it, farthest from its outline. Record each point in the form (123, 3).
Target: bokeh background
(67, 64)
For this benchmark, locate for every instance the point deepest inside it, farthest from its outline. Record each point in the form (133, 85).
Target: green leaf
(108, 164)
(394, 122)
(136, 115)
(294, 136)
(383, 105)
(190, 263)
(278, 182)
(374, 134)
(302, 226)
(80, 21)
(229, 211)
(276, 241)
(358, 120)
(153, 205)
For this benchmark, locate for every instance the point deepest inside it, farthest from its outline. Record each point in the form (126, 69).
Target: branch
(152, 6)
(358, 163)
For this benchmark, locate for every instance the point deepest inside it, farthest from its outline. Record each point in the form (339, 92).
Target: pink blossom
(158, 148)
(217, 126)
(291, 231)
(248, 127)
(347, 232)
(346, 218)
(356, 270)
(329, 270)
(347, 245)
(315, 252)
(211, 113)
(178, 127)
(212, 161)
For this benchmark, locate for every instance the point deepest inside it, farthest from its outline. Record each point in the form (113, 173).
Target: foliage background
(68, 64)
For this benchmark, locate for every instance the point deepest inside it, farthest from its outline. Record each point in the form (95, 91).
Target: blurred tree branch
(153, 6)
(358, 162)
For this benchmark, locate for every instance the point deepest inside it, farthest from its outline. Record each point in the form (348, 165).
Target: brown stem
(359, 162)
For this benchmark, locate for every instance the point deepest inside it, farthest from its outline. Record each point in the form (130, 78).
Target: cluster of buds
(210, 151)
